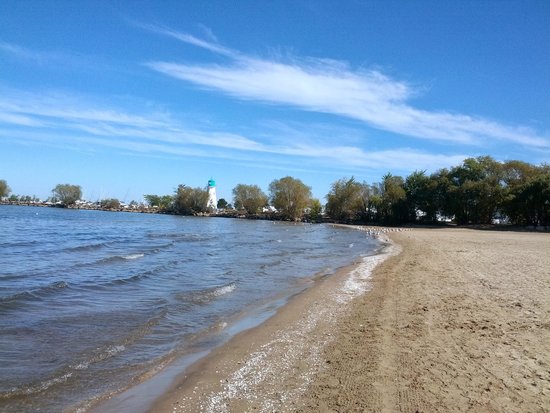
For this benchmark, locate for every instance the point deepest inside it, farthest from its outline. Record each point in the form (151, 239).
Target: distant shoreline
(91, 207)
(276, 217)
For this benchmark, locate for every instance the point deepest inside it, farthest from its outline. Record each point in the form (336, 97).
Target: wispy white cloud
(20, 120)
(18, 51)
(61, 60)
(39, 57)
(187, 38)
(53, 117)
(328, 86)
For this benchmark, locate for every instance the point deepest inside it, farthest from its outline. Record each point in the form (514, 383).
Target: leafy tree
(315, 210)
(346, 200)
(516, 173)
(110, 203)
(162, 202)
(222, 204)
(420, 191)
(528, 202)
(4, 189)
(476, 191)
(190, 201)
(67, 194)
(290, 197)
(516, 176)
(249, 197)
(392, 206)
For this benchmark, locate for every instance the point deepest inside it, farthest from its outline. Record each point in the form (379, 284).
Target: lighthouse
(212, 200)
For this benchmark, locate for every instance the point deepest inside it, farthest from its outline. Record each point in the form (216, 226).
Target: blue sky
(135, 97)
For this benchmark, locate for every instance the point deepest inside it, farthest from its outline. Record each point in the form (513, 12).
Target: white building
(212, 199)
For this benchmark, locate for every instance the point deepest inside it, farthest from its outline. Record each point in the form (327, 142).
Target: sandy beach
(451, 320)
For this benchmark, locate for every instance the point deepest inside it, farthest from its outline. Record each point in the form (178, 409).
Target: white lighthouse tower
(212, 199)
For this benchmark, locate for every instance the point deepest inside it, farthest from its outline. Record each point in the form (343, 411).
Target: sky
(130, 98)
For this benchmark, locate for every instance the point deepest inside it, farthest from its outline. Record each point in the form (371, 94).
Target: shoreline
(458, 321)
(137, 397)
(241, 374)
(450, 320)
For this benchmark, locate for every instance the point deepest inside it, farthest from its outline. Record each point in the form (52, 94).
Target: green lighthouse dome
(211, 183)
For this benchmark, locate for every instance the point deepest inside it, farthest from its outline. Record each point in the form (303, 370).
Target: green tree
(249, 197)
(290, 197)
(190, 201)
(315, 210)
(222, 204)
(110, 203)
(516, 176)
(344, 200)
(4, 189)
(420, 191)
(516, 173)
(528, 201)
(392, 206)
(67, 194)
(162, 202)
(476, 192)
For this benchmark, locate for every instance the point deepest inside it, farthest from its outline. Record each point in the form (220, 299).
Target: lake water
(92, 302)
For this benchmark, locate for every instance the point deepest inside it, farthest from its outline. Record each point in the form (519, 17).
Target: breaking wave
(207, 295)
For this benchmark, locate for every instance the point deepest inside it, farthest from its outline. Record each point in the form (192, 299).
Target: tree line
(479, 191)
(289, 197)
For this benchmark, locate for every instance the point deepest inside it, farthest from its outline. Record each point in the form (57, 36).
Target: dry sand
(454, 320)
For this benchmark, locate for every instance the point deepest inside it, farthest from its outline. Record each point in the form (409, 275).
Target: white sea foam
(358, 281)
(45, 385)
(113, 350)
(226, 289)
(82, 366)
(133, 256)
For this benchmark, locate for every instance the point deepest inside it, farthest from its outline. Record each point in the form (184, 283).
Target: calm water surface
(91, 301)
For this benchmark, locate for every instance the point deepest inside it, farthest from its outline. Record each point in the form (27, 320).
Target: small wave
(268, 265)
(87, 247)
(18, 244)
(42, 386)
(205, 296)
(161, 269)
(34, 293)
(181, 237)
(158, 248)
(226, 289)
(36, 388)
(118, 258)
(133, 256)
(132, 278)
(101, 355)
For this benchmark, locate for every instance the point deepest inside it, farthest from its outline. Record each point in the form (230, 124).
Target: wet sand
(454, 320)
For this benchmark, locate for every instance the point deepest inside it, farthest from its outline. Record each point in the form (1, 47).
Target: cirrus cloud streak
(332, 87)
(58, 119)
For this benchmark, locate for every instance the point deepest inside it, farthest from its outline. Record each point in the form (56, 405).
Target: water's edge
(142, 397)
